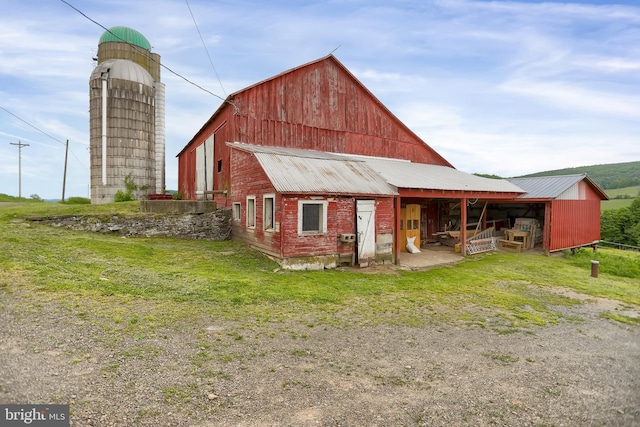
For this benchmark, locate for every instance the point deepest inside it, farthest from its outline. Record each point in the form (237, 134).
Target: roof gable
(297, 84)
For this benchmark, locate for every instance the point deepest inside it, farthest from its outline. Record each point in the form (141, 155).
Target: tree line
(622, 225)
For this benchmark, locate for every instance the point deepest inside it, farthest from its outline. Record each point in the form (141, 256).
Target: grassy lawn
(145, 283)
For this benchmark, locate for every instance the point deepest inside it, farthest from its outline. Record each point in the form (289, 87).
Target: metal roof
(123, 69)
(546, 187)
(125, 35)
(309, 171)
(406, 174)
(296, 170)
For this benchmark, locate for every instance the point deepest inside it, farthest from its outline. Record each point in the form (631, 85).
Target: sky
(498, 87)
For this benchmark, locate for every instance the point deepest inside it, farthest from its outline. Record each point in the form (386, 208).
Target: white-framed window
(269, 212)
(312, 217)
(236, 211)
(251, 212)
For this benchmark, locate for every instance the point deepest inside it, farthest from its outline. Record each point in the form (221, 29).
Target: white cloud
(480, 81)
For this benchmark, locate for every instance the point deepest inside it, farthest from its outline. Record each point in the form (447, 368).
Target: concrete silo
(126, 116)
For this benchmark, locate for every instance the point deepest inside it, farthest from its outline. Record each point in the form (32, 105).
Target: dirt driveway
(301, 372)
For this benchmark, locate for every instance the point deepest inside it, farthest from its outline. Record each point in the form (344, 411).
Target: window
(236, 211)
(312, 217)
(251, 212)
(269, 206)
(219, 165)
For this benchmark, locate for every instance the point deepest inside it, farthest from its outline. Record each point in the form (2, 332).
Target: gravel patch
(216, 372)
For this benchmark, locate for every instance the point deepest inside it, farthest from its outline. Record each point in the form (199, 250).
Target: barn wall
(250, 180)
(574, 223)
(340, 219)
(223, 131)
(322, 107)
(319, 106)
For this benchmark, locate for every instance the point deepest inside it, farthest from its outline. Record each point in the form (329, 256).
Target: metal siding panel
(574, 223)
(571, 193)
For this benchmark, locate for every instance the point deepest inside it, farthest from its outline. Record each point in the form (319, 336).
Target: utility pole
(20, 145)
(64, 177)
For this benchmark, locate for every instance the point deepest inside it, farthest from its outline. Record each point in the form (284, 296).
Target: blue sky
(501, 87)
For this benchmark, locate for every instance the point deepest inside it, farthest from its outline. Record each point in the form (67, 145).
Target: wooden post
(463, 226)
(396, 234)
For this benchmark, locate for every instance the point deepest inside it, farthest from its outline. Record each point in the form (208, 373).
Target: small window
(236, 211)
(219, 165)
(402, 224)
(251, 212)
(312, 217)
(269, 212)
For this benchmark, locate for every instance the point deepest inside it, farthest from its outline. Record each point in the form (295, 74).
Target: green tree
(622, 225)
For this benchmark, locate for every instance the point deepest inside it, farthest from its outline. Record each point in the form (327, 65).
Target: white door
(366, 230)
(204, 168)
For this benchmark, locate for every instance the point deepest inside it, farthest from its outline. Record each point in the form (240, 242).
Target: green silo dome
(125, 35)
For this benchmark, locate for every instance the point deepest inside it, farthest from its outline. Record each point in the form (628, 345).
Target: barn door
(204, 168)
(366, 230)
(409, 225)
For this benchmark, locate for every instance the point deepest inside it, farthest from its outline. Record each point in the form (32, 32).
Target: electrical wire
(142, 51)
(205, 48)
(46, 134)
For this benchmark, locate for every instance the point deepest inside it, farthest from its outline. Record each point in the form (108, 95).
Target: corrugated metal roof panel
(296, 170)
(307, 171)
(404, 174)
(546, 187)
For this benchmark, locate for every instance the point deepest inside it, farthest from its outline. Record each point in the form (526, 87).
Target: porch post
(463, 226)
(546, 229)
(396, 233)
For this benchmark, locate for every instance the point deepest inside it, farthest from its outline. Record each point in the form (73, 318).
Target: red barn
(319, 172)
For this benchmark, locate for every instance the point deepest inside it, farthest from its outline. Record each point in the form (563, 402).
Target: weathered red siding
(249, 179)
(574, 223)
(322, 107)
(318, 106)
(340, 219)
(385, 215)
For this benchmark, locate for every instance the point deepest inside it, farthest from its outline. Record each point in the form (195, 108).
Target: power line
(205, 48)
(29, 124)
(46, 134)
(142, 51)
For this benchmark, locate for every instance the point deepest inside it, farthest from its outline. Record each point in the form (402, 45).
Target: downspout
(105, 77)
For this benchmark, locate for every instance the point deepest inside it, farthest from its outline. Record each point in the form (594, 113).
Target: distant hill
(609, 176)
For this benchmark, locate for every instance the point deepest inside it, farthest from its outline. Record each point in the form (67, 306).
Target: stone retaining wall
(203, 226)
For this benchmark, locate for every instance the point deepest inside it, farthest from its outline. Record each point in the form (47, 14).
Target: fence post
(594, 268)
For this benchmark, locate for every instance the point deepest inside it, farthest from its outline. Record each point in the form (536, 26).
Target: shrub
(78, 201)
(122, 196)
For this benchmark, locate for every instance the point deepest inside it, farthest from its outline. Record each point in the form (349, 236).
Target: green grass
(632, 192)
(607, 205)
(137, 285)
(13, 199)
(613, 203)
